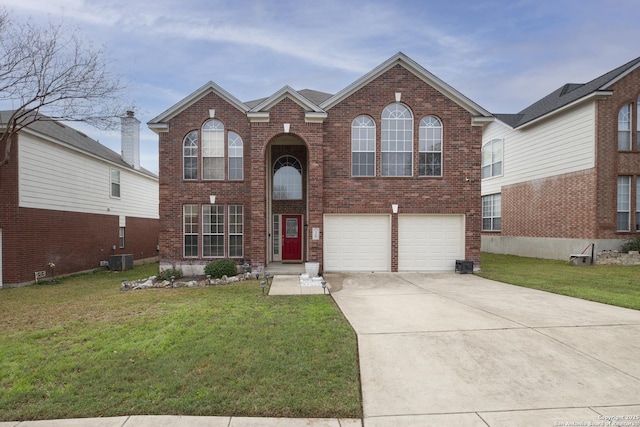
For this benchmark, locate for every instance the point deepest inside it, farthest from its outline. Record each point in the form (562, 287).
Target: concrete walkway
(180, 421)
(459, 350)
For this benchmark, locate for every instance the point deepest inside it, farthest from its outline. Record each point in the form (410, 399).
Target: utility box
(464, 267)
(121, 262)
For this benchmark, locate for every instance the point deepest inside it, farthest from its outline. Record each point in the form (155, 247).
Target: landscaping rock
(153, 283)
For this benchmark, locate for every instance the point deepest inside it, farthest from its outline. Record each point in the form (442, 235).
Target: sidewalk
(187, 421)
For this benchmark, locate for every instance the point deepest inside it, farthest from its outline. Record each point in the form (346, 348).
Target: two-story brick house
(66, 199)
(565, 172)
(381, 176)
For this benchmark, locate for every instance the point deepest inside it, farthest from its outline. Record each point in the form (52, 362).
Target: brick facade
(73, 241)
(324, 150)
(558, 206)
(612, 163)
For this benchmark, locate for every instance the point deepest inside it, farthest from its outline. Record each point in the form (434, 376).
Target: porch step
(274, 268)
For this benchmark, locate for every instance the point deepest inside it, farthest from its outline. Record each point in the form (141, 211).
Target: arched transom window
(363, 146)
(397, 141)
(287, 179)
(430, 147)
(235, 156)
(213, 149)
(190, 156)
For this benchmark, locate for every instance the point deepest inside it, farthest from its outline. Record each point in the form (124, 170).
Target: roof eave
(158, 127)
(209, 87)
(593, 96)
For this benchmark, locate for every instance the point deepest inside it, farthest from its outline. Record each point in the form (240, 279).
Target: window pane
(235, 156)
(212, 231)
(190, 230)
(492, 158)
(397, 141)
(236, 227)
(492, 212)
(363, 142)
(213, 150)
(624, 203)
(287, 179)
(190, 156)
(624, 128)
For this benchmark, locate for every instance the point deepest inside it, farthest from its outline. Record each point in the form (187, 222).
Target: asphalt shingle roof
(565, 95)
(76, 139)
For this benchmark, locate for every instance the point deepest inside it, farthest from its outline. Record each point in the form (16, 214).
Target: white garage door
(357, 243)
(430, 242)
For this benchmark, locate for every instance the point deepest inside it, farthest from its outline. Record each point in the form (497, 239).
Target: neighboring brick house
(382, 176)
(565, 172)
(68, 200)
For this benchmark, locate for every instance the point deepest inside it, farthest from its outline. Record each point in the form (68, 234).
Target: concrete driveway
(459, 350)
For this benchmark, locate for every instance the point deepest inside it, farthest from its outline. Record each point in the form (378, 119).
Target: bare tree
(50, 72)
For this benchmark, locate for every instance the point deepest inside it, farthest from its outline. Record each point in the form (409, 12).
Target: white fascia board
(196, 96)
(593, 96)
(408, 63)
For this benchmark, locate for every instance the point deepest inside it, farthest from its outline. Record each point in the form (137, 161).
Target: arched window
(235, 156)
(397, 141)
(190, 156)
(492, 158)
(430, 147)
(363, 146)
(287, 179)
(624, 128)
(213, 149)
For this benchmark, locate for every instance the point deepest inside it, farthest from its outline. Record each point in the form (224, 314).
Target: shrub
(166, 274)
(222, 267)
(631, 245)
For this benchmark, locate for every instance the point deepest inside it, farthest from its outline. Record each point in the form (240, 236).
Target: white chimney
(130, 139)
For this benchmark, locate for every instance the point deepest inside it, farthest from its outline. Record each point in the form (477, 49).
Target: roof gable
(419, 71)
(313, 113)
(160, 122)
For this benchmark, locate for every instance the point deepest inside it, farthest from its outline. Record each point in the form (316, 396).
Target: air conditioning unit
(121, 262)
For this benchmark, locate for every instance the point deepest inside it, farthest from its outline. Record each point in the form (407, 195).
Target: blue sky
(503, 55)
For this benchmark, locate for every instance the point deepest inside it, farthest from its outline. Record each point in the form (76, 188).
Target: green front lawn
(83, 348)
(616, 285)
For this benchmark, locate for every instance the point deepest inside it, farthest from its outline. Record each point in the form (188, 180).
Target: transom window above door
(287, 179)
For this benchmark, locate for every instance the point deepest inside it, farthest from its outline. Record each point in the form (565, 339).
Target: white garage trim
(357, 242)
(430, 242)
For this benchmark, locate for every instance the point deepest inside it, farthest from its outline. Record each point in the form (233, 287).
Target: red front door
(291, 237)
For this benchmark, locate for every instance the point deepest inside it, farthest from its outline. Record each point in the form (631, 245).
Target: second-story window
(115, 183)
(190, 156)
(213, 149)
(430, 147)
(363, 146)
(492, 158)
(397, 141)
(235, 156)
(624, 128)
